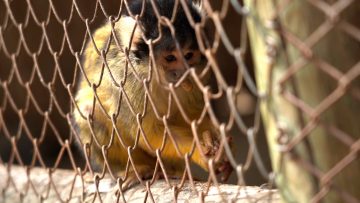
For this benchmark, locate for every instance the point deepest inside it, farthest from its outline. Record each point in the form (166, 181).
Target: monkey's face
(173, 63)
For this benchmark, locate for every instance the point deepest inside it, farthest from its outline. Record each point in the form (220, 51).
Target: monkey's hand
(210, 144)
(213, 148)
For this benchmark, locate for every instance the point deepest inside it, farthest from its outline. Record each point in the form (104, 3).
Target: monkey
(133, 93)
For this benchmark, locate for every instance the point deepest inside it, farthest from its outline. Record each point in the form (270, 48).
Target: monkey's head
(175, 47)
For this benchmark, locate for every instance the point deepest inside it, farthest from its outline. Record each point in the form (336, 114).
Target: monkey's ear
(199, 6)
(125, 27)
(198, 3)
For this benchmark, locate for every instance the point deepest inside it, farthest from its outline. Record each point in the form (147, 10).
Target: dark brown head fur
(185, 34)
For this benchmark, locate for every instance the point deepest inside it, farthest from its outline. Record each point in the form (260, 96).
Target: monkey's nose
(174, 75)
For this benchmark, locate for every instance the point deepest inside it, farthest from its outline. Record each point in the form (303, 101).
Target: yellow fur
(126, 122)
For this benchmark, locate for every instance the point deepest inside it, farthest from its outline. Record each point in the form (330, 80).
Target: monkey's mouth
(176, 76)
(187, 85)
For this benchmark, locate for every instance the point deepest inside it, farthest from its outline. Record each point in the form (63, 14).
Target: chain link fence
(289, 126)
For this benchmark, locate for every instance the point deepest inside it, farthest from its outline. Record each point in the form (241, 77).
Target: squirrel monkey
(125, 105)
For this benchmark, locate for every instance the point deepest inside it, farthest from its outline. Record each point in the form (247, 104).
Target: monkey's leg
(177, 143)
(115, 154)
(117, 158)
(209, 147)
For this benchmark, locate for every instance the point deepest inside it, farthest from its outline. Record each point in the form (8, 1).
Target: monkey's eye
(189, 55)
(170, 58)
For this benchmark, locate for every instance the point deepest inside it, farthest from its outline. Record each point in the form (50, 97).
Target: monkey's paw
(132, 180)
(212, 149)
(224, 169)
(210, 144)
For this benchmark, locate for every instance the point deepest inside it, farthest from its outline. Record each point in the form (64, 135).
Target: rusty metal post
(310, 105)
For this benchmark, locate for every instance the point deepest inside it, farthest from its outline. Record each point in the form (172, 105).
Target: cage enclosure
(263, 108)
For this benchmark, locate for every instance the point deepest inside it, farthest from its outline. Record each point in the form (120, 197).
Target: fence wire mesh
(305, 91)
